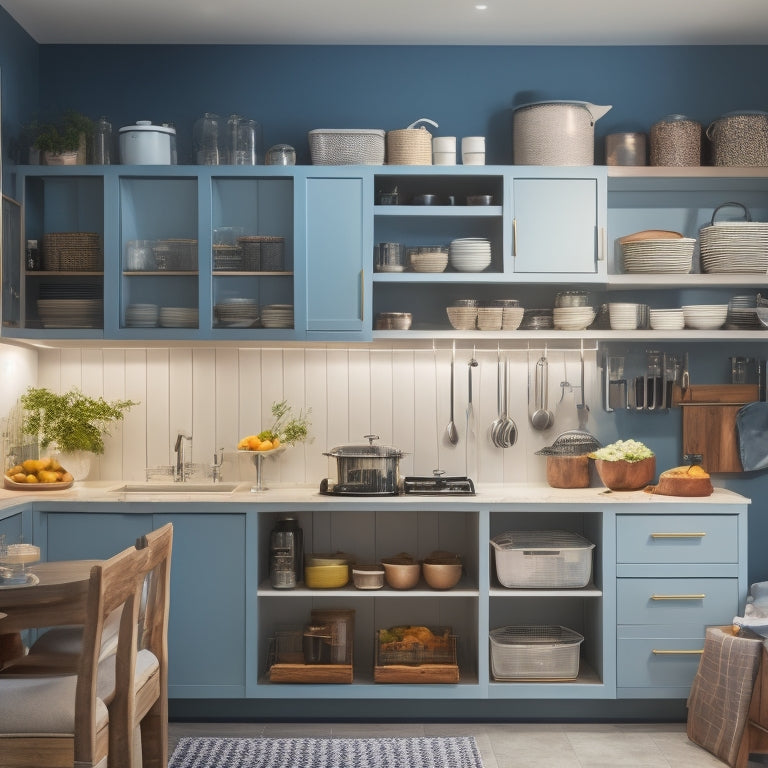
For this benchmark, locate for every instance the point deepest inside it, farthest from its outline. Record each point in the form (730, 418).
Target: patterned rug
(448, 752)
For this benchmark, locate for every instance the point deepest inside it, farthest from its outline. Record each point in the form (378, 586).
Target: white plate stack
(742, 314)
(178, 317)
(623, 316)
(573, 318)
(277, 316)
(659, 255)
(470, 254)
(705, 317)
(142, 315)
(666, 319)
(71, 313)
(237, 313)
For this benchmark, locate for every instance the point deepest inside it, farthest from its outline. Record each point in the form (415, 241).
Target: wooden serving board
(421, 674)
(310, 673)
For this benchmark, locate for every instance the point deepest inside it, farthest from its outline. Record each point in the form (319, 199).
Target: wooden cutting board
(709, 423)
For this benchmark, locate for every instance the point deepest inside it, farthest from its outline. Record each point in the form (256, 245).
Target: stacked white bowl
(470, 254)
(511, 318)
(428, 259)
(573, 318)
(623, 316)
(490, 318)
(666, 319)
(705, 317)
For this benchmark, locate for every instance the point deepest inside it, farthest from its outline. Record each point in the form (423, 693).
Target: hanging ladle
(542, 417)
(451, 432)
(498, 422)
(508, 429)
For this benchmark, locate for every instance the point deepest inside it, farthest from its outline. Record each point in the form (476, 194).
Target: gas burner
(437, 485)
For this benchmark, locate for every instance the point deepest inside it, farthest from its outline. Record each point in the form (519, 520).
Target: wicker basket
(72, 252)
(227, 258)
(410, 146)
(350, 146)
(734, 246)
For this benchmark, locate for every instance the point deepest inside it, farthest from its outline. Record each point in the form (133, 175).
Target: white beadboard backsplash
(219, 395)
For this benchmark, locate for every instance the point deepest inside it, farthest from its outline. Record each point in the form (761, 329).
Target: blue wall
(468, 90)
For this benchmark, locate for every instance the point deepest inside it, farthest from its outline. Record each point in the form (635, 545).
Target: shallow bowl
(401, 574)
(441, 574)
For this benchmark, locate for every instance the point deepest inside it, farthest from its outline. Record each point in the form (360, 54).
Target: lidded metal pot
(286, 554)
(367, 469)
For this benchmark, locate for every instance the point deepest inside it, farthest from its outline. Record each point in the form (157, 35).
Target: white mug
(473, 158)
(473, 144)
(444, 144)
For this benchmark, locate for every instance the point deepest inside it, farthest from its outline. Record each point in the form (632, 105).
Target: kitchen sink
(176, 488)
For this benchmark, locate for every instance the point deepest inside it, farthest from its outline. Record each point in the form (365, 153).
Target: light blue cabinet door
(206, 635)
(336, 237)
(80, 536)
(555, 226)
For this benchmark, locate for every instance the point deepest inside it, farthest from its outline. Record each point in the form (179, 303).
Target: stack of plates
(178, 317)
(537, 320)
(277, 316)
(142, 315)
(71, 313)
(623, 316)
(734, 247)
(470, 254)
(705, 317)
(669, 256)
(462, 318)
(237, 313)
(573, 318)
(742, 314)
(666, 319)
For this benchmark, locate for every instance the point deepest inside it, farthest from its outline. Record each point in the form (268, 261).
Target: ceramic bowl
(326, 576)
(401, 573)
(626, 475)
(441, 573)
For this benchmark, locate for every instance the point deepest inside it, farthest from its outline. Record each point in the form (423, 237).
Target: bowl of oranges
(37, 475)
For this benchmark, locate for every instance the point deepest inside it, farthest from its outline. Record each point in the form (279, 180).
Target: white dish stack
(573, 318)
(142, 315)
(705, 317)
(277, 316)
(470, 254)
(670, 256)
(178, 317)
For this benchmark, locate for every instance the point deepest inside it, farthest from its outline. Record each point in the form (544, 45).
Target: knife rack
(709, 422)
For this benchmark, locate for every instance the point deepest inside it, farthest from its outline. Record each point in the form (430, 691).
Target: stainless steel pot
(367, 469)
(555, 132)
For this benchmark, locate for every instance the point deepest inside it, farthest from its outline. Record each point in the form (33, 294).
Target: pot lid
(366, 451)
(146, 125)
(574, 442)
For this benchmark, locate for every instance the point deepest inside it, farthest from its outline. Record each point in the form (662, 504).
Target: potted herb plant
(72, 422)
(64, 142)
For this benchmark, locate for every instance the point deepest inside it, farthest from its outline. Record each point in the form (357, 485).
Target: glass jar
(285, 554)
(676, 141)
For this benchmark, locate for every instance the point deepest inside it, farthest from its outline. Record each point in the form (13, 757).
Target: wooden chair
(63, 720)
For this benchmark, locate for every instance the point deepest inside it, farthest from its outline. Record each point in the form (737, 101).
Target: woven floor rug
(206, 752)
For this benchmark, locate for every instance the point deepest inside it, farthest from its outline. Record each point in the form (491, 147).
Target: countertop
(107, 492)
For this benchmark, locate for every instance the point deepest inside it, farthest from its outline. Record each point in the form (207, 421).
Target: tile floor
(512, 745)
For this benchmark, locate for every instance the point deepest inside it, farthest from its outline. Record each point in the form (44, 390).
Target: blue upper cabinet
(338, 248)
(558, 223)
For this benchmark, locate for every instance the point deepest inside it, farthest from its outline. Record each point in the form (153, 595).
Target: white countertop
(108, 492)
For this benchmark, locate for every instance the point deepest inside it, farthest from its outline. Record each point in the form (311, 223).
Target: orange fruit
(254, 443)
(265, 445)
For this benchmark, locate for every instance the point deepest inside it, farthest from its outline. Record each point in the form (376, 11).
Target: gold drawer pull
(678, 597)
(699, 535)
(514, 237)
(664, 652)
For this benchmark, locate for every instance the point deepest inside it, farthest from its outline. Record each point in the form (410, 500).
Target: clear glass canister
(102, 142)
(676, 141)
(285, 554)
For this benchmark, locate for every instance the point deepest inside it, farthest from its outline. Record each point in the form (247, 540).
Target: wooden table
(58, 598)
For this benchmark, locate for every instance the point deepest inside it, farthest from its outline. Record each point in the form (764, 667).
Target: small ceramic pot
(626, 475)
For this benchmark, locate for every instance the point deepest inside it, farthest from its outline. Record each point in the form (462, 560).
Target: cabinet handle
(602, 245)
(702, 596)
(514, 237)
(665, 652)
(692, 535)
(362, 295)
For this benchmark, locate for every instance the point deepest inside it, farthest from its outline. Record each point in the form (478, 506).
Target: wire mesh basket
(574, 442)
(414, 645)
(534, 652)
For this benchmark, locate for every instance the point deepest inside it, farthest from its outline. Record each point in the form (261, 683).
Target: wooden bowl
(626, 475)
(441, 574)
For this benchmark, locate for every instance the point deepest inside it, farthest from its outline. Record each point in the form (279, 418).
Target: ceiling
(394, 22)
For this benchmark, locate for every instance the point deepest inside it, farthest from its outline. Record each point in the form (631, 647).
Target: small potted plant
(73, 422)
(65, 142)
(626, 465)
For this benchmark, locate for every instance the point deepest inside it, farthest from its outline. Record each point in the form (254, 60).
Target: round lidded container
(740, 138)
(625, 149)
(367, 469)
(368, 576)
(676, 141)
(147, 144)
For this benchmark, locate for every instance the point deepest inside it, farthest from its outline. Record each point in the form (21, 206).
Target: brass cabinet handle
(362, 295)
(696, 535)
(665, 652)
(514, 237)
(678, 597)
(602, 247)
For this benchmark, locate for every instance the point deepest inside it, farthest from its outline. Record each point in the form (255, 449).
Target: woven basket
(409, 146)
(734, 246)
(351, 146)
(227, 258)
(740, 139)
(72, 252)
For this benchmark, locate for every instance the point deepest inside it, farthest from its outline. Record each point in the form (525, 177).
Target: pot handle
(423, 120)
(747, 215)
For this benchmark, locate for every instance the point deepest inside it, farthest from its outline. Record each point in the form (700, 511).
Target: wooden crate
(311, 673)
(422, 674)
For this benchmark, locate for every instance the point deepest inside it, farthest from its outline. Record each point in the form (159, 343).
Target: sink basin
(176, 488)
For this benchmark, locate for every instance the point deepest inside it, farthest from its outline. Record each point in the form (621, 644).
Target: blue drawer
(657, 662)
(677, 539)
(698, 601)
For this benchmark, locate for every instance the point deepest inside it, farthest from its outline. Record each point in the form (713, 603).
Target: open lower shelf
(589, 591)
(464, 588)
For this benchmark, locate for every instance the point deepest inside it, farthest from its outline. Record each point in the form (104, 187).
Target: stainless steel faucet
(181, 464)
(218, 460)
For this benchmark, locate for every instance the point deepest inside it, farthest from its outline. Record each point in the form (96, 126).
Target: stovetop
(410, 486)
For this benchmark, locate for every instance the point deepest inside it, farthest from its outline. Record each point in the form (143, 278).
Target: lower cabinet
(206, 634)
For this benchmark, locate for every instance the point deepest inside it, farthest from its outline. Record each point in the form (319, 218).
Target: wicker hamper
(72, 252)
(346, 146)
(411, 145)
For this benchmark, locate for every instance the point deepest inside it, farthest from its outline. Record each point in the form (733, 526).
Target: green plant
(294, 430)
(72, 420)
(62, 136)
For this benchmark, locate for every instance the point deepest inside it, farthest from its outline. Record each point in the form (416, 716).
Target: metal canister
(286, 544)
(625, 149)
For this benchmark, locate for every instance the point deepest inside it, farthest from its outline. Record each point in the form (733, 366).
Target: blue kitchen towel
(752, 429)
